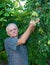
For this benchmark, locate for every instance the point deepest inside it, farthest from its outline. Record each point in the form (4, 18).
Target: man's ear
(8, 33)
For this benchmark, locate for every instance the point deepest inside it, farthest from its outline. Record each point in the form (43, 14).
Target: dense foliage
(39, 42)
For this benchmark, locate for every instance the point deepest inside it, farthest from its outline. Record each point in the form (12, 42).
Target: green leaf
(6, 14)
(34, 13)
(1, 5)
(48, 42)
(1, 12)
(2, 19)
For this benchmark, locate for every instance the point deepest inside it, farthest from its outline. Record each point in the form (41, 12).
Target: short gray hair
(10, 25)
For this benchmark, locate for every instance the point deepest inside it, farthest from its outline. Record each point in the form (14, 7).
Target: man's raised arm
(27, 33)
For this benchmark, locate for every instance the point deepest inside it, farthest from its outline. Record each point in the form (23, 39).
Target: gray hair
(10, 25)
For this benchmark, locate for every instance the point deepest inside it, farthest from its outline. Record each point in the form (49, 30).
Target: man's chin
(14, 36)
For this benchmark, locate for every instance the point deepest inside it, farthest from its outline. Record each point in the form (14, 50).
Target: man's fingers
(32, 21)
(37, 20)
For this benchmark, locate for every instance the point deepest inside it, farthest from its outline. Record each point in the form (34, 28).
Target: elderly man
(15, 47)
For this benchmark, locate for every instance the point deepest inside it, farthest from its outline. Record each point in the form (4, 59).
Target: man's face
(12, 31)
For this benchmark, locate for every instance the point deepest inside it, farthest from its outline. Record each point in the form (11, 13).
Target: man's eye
(15, 29)
(10, 30)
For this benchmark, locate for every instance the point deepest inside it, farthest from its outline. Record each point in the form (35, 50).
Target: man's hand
(27, 33)
(37, 20)
(33, 23)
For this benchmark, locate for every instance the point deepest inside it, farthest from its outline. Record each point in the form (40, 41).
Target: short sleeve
(11, 43)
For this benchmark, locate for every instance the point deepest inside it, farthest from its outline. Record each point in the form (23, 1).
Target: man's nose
(13, 31)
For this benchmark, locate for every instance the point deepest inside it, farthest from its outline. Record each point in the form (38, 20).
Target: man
(15, 48)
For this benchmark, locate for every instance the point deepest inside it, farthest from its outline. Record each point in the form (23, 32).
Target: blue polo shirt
(17, 54)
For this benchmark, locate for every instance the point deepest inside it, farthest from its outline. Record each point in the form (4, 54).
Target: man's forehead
(12, 26)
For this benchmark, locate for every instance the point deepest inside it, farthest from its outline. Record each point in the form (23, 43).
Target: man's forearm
(27, 33)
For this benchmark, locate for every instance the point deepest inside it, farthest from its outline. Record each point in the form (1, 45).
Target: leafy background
(38, 44)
